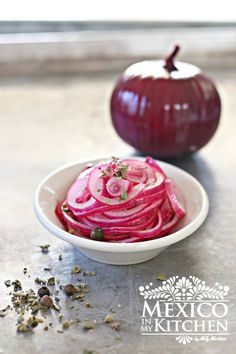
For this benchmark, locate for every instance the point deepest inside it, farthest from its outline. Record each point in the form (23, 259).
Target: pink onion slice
(113, 230)
(101, 220)
(139, 171)
(150, 232)
(115, 186)
(113, 233)
(85, 226)
(156, 186)
(89, 204)
(96, 184)
(85, 229)
(59, 214)
(83, 196)
(91, 207)
(130, 199)
(179, 210)
(151, 198)
(151, 162)
(77, 191)
(165, 230)
(169, 226)
(167, 211)
(123, 213)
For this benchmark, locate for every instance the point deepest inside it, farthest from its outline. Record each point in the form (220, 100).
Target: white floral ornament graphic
(191, 288)
(184, 339)
(188, 289)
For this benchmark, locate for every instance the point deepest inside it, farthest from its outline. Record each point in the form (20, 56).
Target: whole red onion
(165, 109)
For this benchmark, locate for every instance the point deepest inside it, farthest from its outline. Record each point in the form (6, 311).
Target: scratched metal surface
(47, 122)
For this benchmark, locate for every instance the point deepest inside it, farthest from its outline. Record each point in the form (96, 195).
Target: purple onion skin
(165, 117)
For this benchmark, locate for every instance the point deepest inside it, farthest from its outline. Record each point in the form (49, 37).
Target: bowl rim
(121, 247)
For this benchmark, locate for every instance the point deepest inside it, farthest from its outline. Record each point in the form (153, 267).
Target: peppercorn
(46, 301)
(89, 325)
(66, 324)
(76, 269)
(97, 234)
(69, 289)
(108, 319)
(43, 291)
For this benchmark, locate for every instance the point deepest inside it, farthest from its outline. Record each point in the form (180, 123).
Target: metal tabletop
(46, 122)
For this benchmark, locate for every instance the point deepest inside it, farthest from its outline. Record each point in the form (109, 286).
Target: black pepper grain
(43, 291)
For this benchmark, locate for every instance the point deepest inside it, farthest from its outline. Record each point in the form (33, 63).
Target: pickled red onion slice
(179, 210)
(131, 200)
(115, 186)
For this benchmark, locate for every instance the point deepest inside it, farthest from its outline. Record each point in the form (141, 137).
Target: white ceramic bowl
(54, 187)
